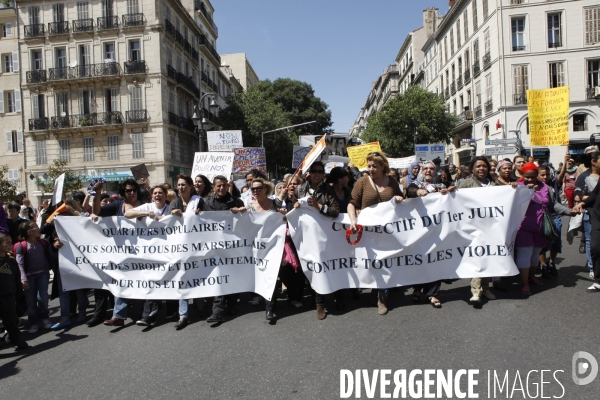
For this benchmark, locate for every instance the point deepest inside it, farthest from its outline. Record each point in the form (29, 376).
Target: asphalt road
(300, 357)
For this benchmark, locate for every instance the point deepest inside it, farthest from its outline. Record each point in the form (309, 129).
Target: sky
(338, 46)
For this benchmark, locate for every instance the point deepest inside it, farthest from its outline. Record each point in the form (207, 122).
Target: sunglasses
(257, 189)
(317, 171)
(130, 190)
(375, 153)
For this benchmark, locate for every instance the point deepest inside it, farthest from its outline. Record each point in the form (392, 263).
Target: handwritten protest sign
(211, 164)
(299, 153)
(401, 162)
(224, 140)
(358, 154)
(549, 116)
(248, 158)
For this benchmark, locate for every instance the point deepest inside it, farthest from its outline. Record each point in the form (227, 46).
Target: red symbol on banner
(359, 232)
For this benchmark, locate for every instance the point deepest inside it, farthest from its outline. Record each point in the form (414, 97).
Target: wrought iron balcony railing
(106, 69)
(171, 72)
(83, 25)
(459, 82)
(136, 116)
(170, 28)
(186, 124)
(173, 119)
(134, 67)
(489, 106)
(592, 93)
(199, 5)
(84, 71)
(467, 76)
(518, 48)
(204, 42)
(38, 124)
(133, 20)
(478, 111)
(107, 23)
(58, 28)
(447, 93)
(519, 98)
(34, 31)
(554, 44)
(487, 60)
(86, 120)
(476, 68)
(57, 74)
(453, 88)
(38, 76)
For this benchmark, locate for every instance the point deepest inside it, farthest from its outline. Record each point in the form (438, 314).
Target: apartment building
(241, 68)
(113, 83)
(11, 122)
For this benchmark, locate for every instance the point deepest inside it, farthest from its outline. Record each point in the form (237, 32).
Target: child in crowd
(9, 284)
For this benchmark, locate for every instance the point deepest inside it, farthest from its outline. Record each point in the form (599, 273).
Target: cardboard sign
(300, 153)
(549, 116)
(211, 164)
(331, 165)
(335, 145)
(59, 184)
(248, 158)
(139, 172)
(424, 152)
(358, 154)
(224, 140)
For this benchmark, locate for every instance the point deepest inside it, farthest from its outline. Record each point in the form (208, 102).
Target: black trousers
(431, 289)
(150, 311)
(595, 249)
(339, 297)
(220, 303)
(8, 313)
(101, 299)
(293, 280)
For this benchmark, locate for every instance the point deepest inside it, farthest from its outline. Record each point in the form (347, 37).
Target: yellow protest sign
(549, 116)
(358, 154)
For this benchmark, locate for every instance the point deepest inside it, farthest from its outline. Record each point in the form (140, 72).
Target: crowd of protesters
(29, 243)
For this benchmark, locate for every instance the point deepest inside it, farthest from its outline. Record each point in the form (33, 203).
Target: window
(137, 141)
(488, 89)
(109, 51)
(8, 63)
(34, 15)
(556, 74)
(554, 37)
(58, 12)
(451, 41)
(13, 177)
(134, 50)
(64, 152)
(167, 12)
(592, 25)
(88, 149)
(171, 102)
(178, 66)
(593, 73)
(61, 58)
(580, 122)
(37, 106)
(107, 8)
(12, 99)
(40, 152)
(476, 51)
(86, 102)
(486, 41)
(82, 10)
(478, 93)
(36, 60)
(85, 58)
(169, 56)
(135, 98)
(474, 5)
(14, 141)
(111, 100)
(133, 7)
(466, 22)
(62, 104)
(445, 49)
(485, 9)
(518, 32)
(520, 84)
(458, 34)
(113, 147)
(7, 29)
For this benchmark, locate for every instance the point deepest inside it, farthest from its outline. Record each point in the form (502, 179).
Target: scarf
(410, 178)
(431, 185)
(571, 171)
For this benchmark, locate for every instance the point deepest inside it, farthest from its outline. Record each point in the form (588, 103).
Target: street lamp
(415, 134)
(198, 117)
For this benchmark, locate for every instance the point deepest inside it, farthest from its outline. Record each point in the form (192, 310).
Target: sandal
(435, 303)
(416, 297)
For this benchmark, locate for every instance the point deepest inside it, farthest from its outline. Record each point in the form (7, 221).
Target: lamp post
(415, 135)
(262, 135)
(198, 117)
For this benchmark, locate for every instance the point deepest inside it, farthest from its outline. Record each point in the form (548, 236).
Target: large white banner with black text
(465, 234)
(210, 254)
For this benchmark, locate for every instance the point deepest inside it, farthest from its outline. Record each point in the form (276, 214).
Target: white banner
(210, 254)
(400, 163)
(469, 233)
(59, 184)
(224, 140)
(212, 164)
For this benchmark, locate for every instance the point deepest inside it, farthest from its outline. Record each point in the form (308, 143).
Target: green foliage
(272, 105)
(394, 125)
(73, 181)
(8, 191)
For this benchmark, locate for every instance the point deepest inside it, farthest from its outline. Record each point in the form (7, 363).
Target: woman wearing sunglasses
(377, 187)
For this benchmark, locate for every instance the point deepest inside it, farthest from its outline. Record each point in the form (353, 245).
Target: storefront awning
(111, 178)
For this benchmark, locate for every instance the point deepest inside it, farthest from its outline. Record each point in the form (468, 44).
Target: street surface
(300, 357)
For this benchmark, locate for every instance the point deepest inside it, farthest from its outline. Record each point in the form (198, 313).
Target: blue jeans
(38, 286)
(184, 306)
(587, 234)
(65, 299)
(120, 310)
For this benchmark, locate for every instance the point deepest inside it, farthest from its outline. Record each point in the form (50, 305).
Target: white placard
(425, 152)
(300, 153)
(210, 254)
(224, 140)
(400, 163)
(469, 233)
(211, 164)
(59, 184)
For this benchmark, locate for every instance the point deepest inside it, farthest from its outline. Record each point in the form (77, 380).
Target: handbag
(548, 226)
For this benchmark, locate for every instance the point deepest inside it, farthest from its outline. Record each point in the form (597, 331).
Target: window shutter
(1, 62)
(18, 100)
(9, 142)
(8, 28)
(1, 101)
(114, 100)
(560, 73)
(35, 105)
(525, 81)
(81, 102)
(20, 141)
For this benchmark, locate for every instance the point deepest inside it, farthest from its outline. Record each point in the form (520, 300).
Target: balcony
(204, 42)
(453, 88)
(519, 99)
(57, 74)
(446, 93)
(87, 120)
(83, 25)
(204, 77)
(107, 23)
(459, 82)
(100, 70)
(38, 124)
(58, 28)
(34, 31)
(489, 107)
(554, 45)
(199, 6)
(38, 76)
(179, 38)
(487, 60)
(171, 72)
(170, 28)
(136, 116)
(106, 69)
(134, 67)
(133, 21)
(518, 48)
(187, 83)
(478, 111)
(476, 69)
(467, 76)
(173, 119)
(592, 93)
(186, 124)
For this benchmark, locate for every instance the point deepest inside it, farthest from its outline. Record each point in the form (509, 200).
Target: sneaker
(114, 322)
(145, 322)
(535, 281)
(595, 288)
(475, 299)
(47, 323)
(215, 318)
(592, 274)
(61, 325)
(255, 300)
(553, 270)
(22, 345)
(489, 295)
(526, 291)
(33, 329)
(546, 272)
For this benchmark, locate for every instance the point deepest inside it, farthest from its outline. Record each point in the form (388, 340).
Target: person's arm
(580, 186)
(414, 191)
(96, 203)
(589, 201)
(331, 207)
(139, 212)
(3, 220)
(21, 263)
(563, 171)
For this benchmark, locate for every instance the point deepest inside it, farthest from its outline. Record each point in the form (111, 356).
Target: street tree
(415, 110)
(271, 105)
(8, 190)
(73, 181)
